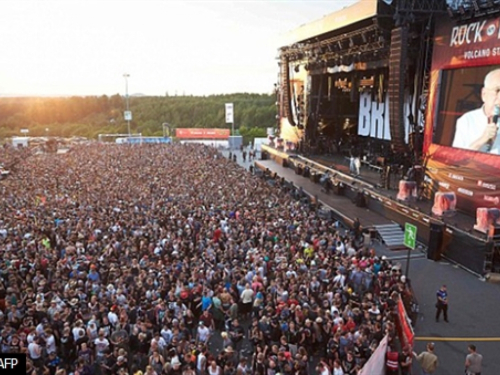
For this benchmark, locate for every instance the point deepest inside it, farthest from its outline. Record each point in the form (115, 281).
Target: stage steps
(392, 235)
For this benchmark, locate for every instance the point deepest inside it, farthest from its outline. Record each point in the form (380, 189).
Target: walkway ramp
(392, 235)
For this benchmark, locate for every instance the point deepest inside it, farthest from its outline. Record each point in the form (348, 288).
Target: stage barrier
(376, 363)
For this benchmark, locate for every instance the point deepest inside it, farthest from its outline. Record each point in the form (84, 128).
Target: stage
(370, 175)
(452, 237)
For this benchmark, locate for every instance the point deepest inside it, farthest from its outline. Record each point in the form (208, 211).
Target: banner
(374, 118)
(376, 363)
(406, 333)
(193, 133)
(229, 113)
(459, 158)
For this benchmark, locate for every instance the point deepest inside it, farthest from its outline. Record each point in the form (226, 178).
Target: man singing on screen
(477, 130)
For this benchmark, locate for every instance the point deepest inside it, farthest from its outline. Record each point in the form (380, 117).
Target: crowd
(171, 259)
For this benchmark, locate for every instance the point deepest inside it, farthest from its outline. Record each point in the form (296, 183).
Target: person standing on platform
(473, 361)
(428, 360)
(442, 303)
(354, 164)
(357, 165)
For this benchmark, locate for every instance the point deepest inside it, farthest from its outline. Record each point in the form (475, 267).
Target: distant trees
(91, 115)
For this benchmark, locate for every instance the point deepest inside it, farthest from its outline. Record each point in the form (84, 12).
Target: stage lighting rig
(466, 9)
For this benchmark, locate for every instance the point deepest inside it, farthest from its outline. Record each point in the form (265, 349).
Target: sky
(73, 47)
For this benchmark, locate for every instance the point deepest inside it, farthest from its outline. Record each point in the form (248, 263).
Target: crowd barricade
(376, 363)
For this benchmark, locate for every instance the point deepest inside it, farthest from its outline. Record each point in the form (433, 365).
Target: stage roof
(359, 11)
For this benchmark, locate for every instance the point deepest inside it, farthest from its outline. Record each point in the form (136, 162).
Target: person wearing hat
(118, 364)
(230, 357)
(203, 333)
(319, 336)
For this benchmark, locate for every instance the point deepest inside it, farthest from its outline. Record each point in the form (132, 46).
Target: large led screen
(468, 110)
(461, 140)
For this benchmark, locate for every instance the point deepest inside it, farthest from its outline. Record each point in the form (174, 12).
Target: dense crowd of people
(171, 259)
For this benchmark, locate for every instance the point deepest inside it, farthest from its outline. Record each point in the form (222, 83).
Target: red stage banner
(459, 109)
(406, 334)
(194, 133)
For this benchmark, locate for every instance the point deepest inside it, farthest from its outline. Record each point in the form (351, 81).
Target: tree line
(90, 116)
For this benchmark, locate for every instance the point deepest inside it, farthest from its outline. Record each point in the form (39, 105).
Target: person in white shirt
(247, 299)
(476, 130)
(50, 341)
(77, 330)
(101, 344)
(166, 334)
(35, 351)
(201, 362)
(337, 368)
(203, 333)
(322, 369)
(339, 279)
(112, 317)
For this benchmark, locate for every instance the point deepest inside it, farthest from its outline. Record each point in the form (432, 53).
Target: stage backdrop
(463, 55)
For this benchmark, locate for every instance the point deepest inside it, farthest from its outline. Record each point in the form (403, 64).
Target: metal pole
(126, 75)
(166, 126)
(408, 257)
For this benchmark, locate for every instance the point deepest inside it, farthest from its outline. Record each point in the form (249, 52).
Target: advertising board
(195, 133)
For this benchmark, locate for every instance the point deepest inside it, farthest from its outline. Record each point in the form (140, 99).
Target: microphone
(496, 114)
(494, 119)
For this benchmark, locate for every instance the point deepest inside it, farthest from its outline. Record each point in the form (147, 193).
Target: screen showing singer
(478, 129)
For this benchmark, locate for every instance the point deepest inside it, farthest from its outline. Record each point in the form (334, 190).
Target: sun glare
(194, 47)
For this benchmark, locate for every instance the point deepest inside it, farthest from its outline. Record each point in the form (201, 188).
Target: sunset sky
(208, 47)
